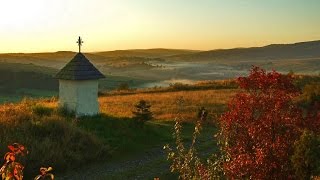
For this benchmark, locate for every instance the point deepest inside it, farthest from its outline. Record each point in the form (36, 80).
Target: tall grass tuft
(51, 139)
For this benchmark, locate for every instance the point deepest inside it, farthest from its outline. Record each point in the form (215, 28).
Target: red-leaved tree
(259, 130)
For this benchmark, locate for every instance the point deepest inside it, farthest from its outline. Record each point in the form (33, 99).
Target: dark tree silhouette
(142, 112)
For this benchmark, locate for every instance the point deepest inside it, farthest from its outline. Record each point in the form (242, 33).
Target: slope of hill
(60, 58)
(18, 80)
(301, 50)
(30, 67)
(49, 59)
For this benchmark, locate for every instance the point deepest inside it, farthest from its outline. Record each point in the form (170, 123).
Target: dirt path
(147, 165)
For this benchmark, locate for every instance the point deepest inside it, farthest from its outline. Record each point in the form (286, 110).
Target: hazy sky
(53, 25)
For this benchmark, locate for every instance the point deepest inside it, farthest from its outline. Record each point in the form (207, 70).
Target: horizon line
(159, 48)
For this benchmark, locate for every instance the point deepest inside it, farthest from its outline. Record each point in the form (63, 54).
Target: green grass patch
(154, 164)
(123, 135)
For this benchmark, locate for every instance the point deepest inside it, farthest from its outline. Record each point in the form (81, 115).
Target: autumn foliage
(261, 126)
(11, 169)
(262, 134)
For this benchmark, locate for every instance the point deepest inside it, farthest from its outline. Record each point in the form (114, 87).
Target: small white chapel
(78, 85)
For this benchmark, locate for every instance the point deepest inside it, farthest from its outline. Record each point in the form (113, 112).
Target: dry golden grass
(164, 105)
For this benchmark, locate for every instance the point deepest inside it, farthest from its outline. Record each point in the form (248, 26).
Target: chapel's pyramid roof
(79, 68)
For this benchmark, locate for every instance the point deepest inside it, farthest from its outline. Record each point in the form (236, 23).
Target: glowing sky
(53, 25)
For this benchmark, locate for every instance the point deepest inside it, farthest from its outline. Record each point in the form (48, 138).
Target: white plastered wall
(80, 97)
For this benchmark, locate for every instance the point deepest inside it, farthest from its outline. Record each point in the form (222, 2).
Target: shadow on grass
(123, 135)
(133, 144)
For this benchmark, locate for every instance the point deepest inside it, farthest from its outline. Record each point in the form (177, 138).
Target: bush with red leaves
(261, 126)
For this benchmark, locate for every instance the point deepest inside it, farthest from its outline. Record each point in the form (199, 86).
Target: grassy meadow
(55, 138)
(164, 105)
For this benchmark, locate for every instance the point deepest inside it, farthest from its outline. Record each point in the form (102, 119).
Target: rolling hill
(296, 51)
(140, 68)
(147, 53)
(301, 50)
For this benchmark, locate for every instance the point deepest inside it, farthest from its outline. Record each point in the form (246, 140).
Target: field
(117, 141)
(164, 105)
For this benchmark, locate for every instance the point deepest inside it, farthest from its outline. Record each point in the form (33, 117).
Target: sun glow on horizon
(54, 25)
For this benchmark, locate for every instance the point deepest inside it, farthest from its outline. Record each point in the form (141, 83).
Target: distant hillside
(147, 53)
(156, 67)
(18, 67)
(301, 50)
(60, 58)
(15, 76)
(54, 60)
(19, 80)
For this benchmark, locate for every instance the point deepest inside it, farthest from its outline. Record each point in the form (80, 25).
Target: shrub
(12, 169)
(302, 80)
(185, 160)
(44, 174)
(142, 112)
(202, 114)
(260, 127)
(310, 95)
(306, 157)
(310, 103)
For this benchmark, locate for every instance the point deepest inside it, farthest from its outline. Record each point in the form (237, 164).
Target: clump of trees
(142, 112)
(265, 134)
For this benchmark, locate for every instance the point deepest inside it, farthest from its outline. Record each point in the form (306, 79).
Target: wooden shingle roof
(79, 68)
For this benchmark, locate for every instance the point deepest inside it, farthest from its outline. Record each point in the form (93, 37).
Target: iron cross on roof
(80, 42)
